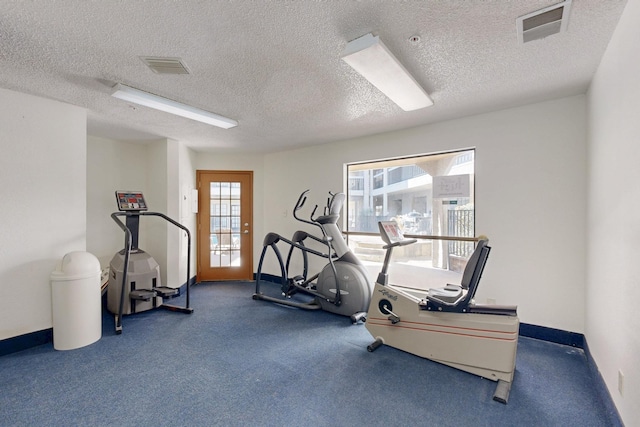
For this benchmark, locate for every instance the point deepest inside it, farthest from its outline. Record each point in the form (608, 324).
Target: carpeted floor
(240, 362)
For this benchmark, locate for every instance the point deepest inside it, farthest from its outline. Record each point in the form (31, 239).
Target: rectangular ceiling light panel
(375, 62)
(146, 99)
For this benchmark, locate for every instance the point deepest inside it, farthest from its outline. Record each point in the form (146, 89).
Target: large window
(431, 197)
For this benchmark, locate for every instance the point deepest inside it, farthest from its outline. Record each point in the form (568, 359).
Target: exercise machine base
(174, 308)
(481, 344)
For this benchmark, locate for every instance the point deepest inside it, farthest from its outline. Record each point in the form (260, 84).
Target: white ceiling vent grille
(544, 22)
(165, 65)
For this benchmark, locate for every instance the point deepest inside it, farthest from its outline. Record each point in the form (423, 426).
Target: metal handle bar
(127, 249)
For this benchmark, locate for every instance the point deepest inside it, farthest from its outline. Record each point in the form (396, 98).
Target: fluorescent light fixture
(137, 96)
(371, 58)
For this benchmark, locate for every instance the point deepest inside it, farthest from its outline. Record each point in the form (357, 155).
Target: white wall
(111, 166)
(159, 169)
(613, 285)
(157, 198)
(42, 214)
(186, 183)
(530, 197)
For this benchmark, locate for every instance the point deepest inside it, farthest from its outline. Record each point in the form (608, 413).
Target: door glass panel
(225, 224)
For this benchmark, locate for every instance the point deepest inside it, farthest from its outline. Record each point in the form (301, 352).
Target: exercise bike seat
(458, 297)
(449, 295)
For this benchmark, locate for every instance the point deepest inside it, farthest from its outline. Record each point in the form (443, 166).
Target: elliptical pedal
(167, 292)
(142, 294)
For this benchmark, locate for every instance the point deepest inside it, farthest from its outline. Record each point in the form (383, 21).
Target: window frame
(384, 164)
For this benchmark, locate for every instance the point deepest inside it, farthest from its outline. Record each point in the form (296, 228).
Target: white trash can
(76, 300)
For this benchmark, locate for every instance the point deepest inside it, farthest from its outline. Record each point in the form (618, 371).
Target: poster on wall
(451, 187)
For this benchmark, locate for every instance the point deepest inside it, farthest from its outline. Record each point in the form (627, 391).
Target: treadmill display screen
(131, 201)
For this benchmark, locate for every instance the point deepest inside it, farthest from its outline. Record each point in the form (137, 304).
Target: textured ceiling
(274, 66)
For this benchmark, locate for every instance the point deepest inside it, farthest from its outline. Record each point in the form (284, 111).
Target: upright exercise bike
(445, 324)
(341, 287)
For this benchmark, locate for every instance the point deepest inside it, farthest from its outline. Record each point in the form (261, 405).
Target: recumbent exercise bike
(445, 324)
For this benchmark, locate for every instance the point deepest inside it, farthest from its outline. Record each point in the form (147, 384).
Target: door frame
(203, 227)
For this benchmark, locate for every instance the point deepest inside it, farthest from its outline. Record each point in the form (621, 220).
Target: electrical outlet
(491, 301)
(621, 383)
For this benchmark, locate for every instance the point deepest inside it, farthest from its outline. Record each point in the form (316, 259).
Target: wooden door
(225, 215)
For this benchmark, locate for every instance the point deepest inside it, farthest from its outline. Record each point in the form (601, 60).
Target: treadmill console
(131, 201)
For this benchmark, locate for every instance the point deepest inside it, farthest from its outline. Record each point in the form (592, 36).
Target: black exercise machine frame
(132, 222)
(286, 284)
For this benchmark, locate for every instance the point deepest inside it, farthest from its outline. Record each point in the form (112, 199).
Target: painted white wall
(187, 183)
(530, 198)
(180, 179)
(111, 166)
(157, 200)
(42, 214)
(155, 168)
(613, 288)
(172, 210)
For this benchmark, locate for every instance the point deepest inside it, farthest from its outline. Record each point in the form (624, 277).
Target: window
(431, 197)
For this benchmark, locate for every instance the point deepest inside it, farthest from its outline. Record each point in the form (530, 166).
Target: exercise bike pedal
(394, 319)
(357, 317)
(374, 345)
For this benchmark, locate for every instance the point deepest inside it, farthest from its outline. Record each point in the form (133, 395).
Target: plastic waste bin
(76, 301)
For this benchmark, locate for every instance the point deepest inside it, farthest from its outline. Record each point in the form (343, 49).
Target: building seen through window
(429, 195)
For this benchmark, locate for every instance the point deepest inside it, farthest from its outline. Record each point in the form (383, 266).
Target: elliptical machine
(341, 287)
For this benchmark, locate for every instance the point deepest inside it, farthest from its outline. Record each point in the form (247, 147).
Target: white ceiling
(274, 66)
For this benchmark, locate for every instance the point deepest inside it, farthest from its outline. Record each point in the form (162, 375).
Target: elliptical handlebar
(327, 209)
(299, 204)
(312, 220)
(301, 200)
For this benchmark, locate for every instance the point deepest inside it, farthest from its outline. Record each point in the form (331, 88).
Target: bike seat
(449, 295)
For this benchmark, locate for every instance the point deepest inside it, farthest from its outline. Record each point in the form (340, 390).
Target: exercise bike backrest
(474, 268)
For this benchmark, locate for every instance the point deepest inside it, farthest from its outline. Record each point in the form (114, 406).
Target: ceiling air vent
(165, 65)
(544, 22)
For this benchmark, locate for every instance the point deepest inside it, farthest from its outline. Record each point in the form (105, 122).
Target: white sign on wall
(194, 201)
(449, 187)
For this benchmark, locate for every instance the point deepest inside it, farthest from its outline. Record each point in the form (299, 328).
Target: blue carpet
(240, 362)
